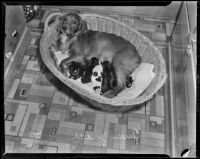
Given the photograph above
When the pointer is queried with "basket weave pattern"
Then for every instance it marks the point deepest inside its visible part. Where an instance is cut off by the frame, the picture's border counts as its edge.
(147, 50)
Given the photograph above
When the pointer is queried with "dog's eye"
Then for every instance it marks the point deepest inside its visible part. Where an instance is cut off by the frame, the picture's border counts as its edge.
(95, 73)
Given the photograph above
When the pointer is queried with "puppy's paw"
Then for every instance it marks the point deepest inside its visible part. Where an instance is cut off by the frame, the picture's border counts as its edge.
(85, 79)
(66, 74)
(53, 48)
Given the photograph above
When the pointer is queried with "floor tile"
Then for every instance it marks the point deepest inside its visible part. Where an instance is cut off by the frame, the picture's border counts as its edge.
(44, 108)
(141, 121)
(51, 123)
(35, 126)
(152, 142)
(90, 127)
(24, 92)
(13, 88)
(77, 145)
(10, 117)
(38, 99)
(72, 125)
(78, 110)
(19, 74)
(54, 116)
(77, 118)
(52, 149)
(147, 108)
(10, 108)
(134, 125)
(41, 125)
(28, 142)
(117, 136)
(60, 98)
(29, 78)
(93, 149)
(152, 150)
(123, 137)
(45, 133)
(88, 117)
(123, 119)
(33, 65)
(92, 139)
(29, 125)
(25, 59)
(158, 128)
(64, 138)
(111, 132)
(159, 105)
(19, 116)
(153, 106)
(99, 124)
(9, 146)
(153, 123)
(53, 131)
(24, 123)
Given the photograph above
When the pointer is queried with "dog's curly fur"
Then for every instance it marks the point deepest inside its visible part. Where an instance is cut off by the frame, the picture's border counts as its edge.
(69, 27)
(120, 53)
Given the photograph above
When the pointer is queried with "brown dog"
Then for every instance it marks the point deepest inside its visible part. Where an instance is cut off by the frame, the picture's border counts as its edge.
(69, 27)
(107, 47)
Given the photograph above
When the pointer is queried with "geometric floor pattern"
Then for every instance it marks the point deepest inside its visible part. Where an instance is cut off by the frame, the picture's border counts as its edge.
(44, 116)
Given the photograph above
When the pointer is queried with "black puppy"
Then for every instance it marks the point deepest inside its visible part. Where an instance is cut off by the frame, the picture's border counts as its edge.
(109, 81)
(76, 70)
(108, 76)
(90, 64)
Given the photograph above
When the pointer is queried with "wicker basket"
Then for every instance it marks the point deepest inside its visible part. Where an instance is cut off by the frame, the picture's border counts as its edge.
(147, 50)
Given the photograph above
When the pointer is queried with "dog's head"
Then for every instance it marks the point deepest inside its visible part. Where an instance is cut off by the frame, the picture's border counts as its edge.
(96, 78)
(72, 24)
(76, 70)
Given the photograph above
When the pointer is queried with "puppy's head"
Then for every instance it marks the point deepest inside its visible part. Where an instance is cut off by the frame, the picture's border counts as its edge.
(71, 23)
(75, 70)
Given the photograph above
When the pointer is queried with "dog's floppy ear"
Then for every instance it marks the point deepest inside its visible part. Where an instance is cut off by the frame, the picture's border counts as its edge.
(59, 27)
(82, 26)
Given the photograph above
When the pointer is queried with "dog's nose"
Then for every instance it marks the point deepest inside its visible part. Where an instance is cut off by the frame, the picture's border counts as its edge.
(98, 79)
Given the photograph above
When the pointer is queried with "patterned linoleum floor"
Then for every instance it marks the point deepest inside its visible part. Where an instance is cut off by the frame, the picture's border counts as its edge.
(44, 116)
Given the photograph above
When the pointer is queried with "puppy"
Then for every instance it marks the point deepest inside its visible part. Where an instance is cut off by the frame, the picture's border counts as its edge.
(107, 47)
(96, 79)
(109, 81)
(76, 70)
(90, 64)
(69, 27)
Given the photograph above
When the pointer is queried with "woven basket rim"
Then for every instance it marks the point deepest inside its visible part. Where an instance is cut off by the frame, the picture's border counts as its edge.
(85, 93)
